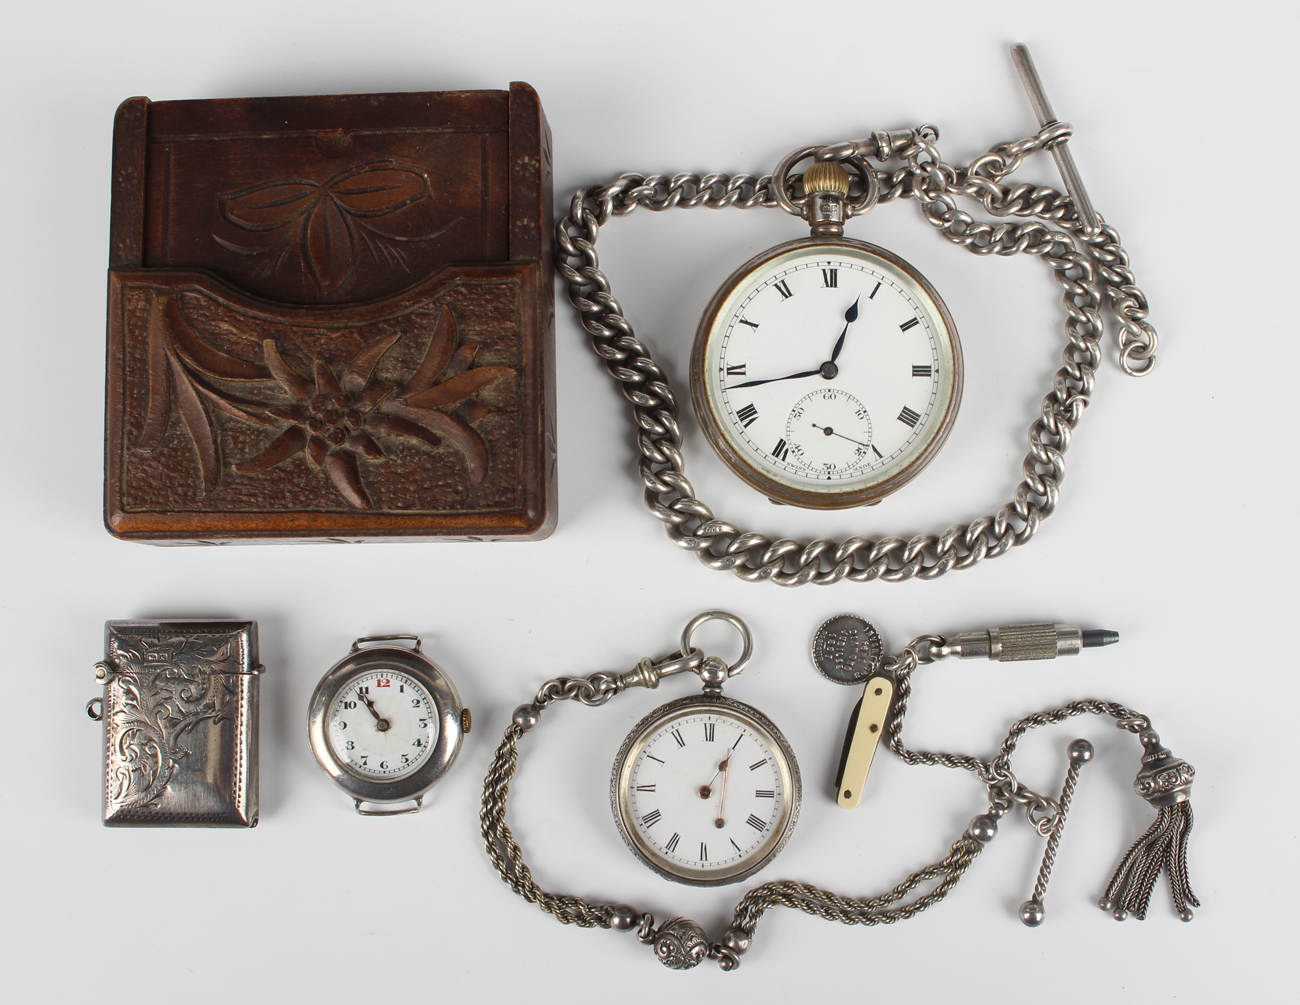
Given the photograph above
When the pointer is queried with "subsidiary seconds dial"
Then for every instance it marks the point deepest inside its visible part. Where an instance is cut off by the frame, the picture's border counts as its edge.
(828, 434)
(827, 373)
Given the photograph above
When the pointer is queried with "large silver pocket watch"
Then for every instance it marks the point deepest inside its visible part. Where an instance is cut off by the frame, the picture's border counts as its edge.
(386, 724)
(826, 372)
(705, 789)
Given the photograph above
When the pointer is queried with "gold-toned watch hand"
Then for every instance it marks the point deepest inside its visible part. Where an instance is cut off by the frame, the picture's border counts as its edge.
(706, 790)
(381, 724)
(720, 822)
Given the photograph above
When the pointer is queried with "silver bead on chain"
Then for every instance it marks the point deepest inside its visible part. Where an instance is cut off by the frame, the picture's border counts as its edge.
(1090, 267)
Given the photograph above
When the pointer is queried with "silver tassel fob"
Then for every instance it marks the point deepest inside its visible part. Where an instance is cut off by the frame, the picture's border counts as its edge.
(1165, 781)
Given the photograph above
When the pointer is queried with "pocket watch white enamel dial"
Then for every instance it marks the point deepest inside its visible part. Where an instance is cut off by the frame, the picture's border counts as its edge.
(705, 789)
(386, 724)
(826, 372)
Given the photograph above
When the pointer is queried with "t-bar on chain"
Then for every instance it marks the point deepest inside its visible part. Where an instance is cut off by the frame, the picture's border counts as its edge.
(1087, 262)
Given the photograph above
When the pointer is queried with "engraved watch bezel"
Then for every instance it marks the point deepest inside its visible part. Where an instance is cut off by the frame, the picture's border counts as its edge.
(712, 423)
(637, 738)
(446, 700)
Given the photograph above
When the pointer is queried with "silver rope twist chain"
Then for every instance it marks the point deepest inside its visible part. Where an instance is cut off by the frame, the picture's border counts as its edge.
(1004, 794)
(1091, 267)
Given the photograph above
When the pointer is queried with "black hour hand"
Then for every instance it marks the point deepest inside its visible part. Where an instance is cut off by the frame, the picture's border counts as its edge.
(850, 316)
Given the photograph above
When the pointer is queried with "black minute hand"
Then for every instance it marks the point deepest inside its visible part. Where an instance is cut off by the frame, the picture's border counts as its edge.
(769, 380)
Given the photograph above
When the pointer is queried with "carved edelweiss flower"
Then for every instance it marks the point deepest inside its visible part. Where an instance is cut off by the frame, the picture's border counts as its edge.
(337, 419)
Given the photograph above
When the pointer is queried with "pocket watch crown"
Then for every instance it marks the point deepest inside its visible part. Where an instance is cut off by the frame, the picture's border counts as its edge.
(826, 177)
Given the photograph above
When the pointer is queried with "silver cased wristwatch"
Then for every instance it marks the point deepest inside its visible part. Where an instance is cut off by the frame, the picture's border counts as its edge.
(410, 665)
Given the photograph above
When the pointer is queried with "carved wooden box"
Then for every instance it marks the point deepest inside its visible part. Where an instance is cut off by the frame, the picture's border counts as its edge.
(331, 318)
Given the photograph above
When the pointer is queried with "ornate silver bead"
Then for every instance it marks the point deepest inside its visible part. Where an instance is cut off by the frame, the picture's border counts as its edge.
(983, 828)
(1032, 913)
(680, 944)
(623, 918)
(1164, 780)
(527, 716)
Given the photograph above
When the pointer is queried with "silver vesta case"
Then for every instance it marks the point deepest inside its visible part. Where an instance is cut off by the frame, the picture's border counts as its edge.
(180, 711)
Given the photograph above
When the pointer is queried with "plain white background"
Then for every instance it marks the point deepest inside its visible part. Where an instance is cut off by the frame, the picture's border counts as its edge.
(1176, 524)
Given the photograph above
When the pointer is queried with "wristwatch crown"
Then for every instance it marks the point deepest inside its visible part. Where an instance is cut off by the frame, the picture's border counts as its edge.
(826, 177)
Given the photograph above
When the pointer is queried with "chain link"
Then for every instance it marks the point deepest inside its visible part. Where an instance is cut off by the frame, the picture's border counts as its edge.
(1089, 269)
(594, 690)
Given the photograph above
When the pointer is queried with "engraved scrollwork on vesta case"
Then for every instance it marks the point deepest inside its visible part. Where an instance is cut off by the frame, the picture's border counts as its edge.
(165, 688)
(337, 418)
(329, 223)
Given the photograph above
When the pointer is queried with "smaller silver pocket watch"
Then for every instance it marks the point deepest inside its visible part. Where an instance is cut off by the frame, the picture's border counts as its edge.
(386, 724)
(705, 789)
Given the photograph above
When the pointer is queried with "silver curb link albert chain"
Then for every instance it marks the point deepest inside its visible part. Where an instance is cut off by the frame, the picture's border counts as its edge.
(1004, 794)
(1088, 262)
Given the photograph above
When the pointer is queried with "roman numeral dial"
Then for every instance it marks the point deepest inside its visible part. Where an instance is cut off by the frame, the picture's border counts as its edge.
(706, 793)
(827, 375)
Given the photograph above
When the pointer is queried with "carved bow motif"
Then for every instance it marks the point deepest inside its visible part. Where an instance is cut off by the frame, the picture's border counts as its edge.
(329, 222)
